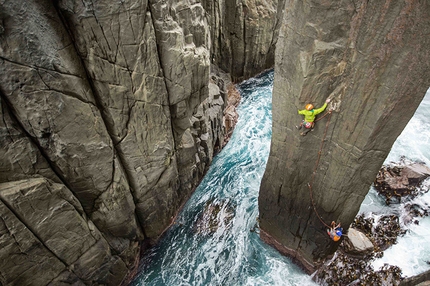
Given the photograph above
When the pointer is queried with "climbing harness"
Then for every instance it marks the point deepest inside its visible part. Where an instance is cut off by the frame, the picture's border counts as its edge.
(334, 234)
(316, 166)
(308, 125)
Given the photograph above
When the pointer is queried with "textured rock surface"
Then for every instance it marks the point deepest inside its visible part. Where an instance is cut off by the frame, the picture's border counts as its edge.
(44, 229)
(114, 103)
(357, 242)
(244, 34)
(130, 91)
(372, 60)
(420, 280)
(403, 179)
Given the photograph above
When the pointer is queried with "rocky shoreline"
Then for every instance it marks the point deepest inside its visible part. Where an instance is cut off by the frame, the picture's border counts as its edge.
(371, 234)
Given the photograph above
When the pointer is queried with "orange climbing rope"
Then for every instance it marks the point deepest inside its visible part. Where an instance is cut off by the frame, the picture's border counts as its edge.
(318, 119)
(316, 166)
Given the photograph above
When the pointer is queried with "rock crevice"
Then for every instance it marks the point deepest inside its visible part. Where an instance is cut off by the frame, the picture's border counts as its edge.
(117, 104)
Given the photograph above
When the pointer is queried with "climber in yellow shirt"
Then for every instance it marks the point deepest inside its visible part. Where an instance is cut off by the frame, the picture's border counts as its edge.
(310, 113)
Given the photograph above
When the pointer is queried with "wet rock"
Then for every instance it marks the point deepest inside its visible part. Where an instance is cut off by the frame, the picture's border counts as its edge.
(382, 231)
(403, 179)
(357, 243)
(215, 215)
(346, 270)
(413, 212)
(422, 279)
(347, 51)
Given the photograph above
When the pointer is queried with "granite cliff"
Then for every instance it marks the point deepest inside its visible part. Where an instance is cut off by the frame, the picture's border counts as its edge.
(372, 60)
(111, 113)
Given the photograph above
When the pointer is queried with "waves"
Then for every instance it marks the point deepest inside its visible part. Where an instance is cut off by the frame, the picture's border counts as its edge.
(229, 251)
(412, 251)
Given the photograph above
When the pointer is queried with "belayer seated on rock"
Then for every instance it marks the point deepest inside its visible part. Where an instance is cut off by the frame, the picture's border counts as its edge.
(335, 231)
(310, 113)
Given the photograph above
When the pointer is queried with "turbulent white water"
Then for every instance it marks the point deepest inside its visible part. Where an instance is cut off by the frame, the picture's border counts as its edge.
(412, 252)
(233, 254)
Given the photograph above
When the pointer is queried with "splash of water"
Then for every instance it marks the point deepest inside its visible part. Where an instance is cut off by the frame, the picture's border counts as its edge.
(229, 251)
(412, 251)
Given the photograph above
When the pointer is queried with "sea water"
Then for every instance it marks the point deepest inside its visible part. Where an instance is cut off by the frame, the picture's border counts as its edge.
(233, 253)
(412, 251)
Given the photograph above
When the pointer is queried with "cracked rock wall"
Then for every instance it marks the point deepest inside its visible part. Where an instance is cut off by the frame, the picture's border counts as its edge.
(244, 34)
(109, 120)
(372, 60)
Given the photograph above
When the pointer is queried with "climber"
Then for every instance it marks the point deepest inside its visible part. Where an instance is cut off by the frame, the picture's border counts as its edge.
(335, 231)
(310, 113)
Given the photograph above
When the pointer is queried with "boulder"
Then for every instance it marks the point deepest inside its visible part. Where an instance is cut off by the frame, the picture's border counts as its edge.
(383, 230)
(357, 243)
(400, 180)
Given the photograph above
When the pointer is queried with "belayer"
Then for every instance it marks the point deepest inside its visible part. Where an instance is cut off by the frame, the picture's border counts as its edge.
(335, 231)
(310, 113)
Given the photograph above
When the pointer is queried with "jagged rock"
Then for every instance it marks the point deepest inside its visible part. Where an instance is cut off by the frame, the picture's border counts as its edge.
(357, 243)
(115, 102)
(400, 180)
(244, 34)
(347, 270)
(348, 51)
(413, 211)
(215, 214)
(422, 279)
(44, 228)
(383, 231)
(231, 97)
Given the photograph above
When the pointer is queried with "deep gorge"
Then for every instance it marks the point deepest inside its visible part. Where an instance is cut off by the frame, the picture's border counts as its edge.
(112, 113)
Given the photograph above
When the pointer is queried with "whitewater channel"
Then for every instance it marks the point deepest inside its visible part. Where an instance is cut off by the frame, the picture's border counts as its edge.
(232, 253)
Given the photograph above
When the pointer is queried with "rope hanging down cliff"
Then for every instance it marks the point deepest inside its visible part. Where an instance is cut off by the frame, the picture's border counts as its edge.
(316, 165)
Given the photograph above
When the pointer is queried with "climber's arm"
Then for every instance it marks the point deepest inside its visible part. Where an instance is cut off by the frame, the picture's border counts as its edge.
(321, 109)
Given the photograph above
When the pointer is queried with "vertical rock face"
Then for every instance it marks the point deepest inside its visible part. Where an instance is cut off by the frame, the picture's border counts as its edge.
(117, 45)
(109, 121)
(110, 117)
(372, 60)
(183, 37)
(244, 34)
(50, 111)
(58, 241)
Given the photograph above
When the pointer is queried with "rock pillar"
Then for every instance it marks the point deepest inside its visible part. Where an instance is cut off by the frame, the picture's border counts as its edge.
(372, 60)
